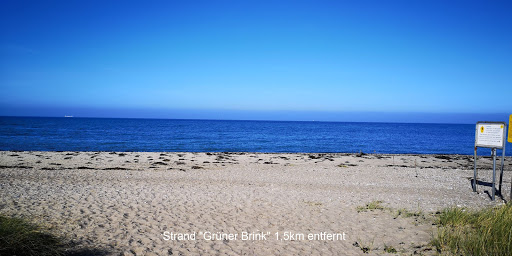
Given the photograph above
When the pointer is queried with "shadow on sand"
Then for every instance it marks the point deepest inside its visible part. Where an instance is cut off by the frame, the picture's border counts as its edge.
(488, 192)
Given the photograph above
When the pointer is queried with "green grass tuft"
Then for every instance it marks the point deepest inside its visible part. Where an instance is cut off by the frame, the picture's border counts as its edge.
(373, 205)
(20, 237)
(365, 248)
(483, 232)
(406, 213)
(389, 249)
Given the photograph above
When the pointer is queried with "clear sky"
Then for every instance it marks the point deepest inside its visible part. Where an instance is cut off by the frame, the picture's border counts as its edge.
(284, 60)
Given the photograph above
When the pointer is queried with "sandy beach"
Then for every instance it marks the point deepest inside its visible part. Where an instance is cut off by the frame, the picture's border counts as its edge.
(141, 203)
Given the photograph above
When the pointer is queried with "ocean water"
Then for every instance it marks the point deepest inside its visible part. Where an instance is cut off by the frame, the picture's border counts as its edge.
(112, 134)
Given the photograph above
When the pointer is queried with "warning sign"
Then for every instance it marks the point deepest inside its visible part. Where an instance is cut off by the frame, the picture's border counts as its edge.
(490, 135)
(510, 129)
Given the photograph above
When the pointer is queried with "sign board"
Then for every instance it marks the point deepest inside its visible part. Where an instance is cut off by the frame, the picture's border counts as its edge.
(510, 129)
(490, 134)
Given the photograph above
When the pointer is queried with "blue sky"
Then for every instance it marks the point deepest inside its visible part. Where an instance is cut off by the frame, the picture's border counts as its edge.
(431, 61)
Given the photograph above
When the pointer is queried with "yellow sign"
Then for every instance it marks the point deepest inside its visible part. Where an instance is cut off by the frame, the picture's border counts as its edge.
(482, 129)
(510, 129)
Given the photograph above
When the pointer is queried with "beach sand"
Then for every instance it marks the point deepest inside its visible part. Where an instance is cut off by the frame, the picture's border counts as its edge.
(130, 203)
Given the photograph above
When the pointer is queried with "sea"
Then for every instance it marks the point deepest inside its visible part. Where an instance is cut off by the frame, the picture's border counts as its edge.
(172, 135)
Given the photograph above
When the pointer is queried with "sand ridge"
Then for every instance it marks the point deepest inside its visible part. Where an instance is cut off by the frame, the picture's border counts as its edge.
(124, 202)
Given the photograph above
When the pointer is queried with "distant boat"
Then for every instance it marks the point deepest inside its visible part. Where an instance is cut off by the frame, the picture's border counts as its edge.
(68, 116)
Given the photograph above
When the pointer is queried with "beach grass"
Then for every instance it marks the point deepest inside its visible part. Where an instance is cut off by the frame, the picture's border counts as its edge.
(21, 237)
(373, 205)
(483, 232)
(407, 213)
(390, 249)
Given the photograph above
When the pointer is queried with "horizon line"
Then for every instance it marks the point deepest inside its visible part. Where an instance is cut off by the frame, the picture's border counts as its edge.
(256, 120)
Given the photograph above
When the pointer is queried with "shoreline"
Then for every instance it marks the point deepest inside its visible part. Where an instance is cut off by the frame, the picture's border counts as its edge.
(123, 202)
(251, 152)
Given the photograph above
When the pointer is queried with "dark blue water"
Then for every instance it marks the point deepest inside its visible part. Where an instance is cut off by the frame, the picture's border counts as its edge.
(104, 134)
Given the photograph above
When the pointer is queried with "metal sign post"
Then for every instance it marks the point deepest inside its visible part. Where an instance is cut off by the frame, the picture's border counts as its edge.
(490, 135)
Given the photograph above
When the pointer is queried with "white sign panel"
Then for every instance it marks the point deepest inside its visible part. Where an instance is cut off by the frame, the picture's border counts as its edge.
(490, 135)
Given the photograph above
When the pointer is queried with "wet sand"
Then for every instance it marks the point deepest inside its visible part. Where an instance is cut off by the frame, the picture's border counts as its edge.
(140, 203)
